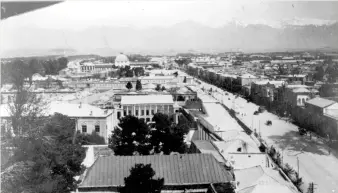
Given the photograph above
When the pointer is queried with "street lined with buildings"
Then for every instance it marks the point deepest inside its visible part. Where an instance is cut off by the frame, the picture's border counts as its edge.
(311, 156)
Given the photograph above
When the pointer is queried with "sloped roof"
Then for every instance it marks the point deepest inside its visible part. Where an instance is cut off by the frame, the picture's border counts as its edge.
(258, 180)
(247, 177)
(77, 110)
(266, 188)
(147, 99)
(180, 169)
(205, 146)
(320, 102)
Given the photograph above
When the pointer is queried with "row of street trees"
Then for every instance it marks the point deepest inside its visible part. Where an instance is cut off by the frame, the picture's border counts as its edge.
(138, 86)
(10, 71)
(134, 137)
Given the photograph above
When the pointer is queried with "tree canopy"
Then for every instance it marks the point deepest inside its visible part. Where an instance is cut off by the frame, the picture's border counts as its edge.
(183, 61)
(131, 137)
(134, 136)
(185, 80)
(129, 86)
(19, 69)
(45, 159)
(167, 137)
(138, 71)
(138, 85)
(141, 180)
(158, 87)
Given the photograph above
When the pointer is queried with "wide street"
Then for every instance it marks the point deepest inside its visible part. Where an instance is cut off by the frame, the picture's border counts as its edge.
(315, 162)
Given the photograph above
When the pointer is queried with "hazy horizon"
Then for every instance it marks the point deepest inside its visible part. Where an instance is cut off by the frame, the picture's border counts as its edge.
(161, 26)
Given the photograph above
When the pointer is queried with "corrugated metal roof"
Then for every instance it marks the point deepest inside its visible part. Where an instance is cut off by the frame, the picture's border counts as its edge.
(183, 169)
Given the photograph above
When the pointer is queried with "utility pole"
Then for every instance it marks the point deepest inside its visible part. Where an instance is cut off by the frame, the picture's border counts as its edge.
(311, 188)
(259, 128)
(298, 165)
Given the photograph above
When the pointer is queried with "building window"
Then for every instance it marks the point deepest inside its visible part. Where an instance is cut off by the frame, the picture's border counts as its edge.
(153, 112)
(142, 112)
(148, 119)
(118, 115)
(147, 112)
(129, 112)
(97, 128)
(84, 128)
(124, 113)
(136, 112)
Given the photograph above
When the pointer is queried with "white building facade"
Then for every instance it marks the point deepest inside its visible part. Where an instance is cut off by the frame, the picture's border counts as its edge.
(145, 106)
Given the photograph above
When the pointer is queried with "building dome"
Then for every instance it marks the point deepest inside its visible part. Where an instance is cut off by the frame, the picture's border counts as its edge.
(121, 60)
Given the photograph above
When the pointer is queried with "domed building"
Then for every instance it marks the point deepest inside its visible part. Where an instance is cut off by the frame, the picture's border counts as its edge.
(121, 60)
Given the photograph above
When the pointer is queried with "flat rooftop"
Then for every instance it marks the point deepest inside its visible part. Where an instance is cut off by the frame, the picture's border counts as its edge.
(147, 99)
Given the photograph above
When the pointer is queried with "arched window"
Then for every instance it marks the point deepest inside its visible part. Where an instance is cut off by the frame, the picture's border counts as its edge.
(299, 101)
(303, 101)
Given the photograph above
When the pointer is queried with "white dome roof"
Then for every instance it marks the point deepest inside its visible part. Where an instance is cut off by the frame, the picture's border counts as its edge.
(121, 58)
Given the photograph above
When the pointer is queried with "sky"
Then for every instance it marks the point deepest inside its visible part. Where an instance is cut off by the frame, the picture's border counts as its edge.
(77, 14)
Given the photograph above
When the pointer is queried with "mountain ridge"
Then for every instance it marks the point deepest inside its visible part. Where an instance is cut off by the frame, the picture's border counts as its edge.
(179, 37)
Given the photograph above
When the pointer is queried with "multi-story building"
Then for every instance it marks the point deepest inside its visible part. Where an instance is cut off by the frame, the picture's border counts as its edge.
(297, 95)
(88, 118)
(265, 89)
(145, 106)
(246, 79)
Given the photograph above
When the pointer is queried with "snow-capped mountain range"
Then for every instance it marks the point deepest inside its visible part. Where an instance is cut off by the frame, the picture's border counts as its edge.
(257, 36)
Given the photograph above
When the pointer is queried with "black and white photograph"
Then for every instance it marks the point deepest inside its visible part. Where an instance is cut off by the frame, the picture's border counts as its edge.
(169, 96)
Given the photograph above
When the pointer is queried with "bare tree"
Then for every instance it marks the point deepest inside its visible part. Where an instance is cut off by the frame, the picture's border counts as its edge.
(26, 106)
(25, 110)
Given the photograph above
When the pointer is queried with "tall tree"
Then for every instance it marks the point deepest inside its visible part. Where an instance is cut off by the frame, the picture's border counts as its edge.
(319, 73)
(141, 180)
(129, 86)
(18, 71)
(138, 71)
(62, 63)
(138, 85)
(131, 137)
(167, 137)
(158, 87)
(185, 80)
(47, 159)
(27, 105)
